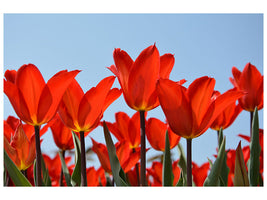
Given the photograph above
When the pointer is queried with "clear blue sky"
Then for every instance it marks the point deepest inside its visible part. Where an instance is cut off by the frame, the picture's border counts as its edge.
(203, 44)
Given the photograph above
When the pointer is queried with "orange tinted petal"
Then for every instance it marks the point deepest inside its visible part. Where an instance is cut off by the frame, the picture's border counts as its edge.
(10, 75)
(30, 83)
(112, 95)
(11, 152)
(91, 105)
(175, 106)
(236, 74)
(55, 89)
(122, 123)
(32, 153)
(166, 65)
(143, 77)
(200, 92)
(134, 130)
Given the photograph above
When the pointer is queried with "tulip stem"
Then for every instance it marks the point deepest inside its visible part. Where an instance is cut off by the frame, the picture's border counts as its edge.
(137, 171)
(38, 156)
(83, 160)
(143, 149)
(61, 173)
(189, 161)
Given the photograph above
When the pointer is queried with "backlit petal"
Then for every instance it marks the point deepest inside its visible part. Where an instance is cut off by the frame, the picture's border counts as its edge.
(166, 65)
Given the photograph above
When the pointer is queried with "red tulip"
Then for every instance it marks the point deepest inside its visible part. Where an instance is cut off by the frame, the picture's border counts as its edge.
(95, 177)
(227, 116)
(190, 112)
(82, 112)
(250, 81)
(11, 124)
(21, 149)
(62, 135)
(200, 173)
(126, 156)
(34, 101)
(138, 78)
(126, 128)
(156, 130)
(156, 172)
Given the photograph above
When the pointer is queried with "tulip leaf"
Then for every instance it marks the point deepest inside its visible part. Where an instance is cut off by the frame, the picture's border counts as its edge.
(46, 181)
(225, 169)
(255, 148)
(14, 173)
(117, 172)
(65, 170)
(76, 174)
(213, 178)
(241, 176)
(182, 164)
(167, 174)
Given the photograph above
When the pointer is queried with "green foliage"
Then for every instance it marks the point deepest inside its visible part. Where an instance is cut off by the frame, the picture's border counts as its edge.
(241, 176)
(254, 164)
(213, 178)
(167, 174)
(76, 174)
(14, 173)
(225, 169)
(182, 165)
(117, 172)
(65, 170)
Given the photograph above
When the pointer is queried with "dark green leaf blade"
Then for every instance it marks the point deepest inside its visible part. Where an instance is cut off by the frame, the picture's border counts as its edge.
(117, 171)
(225, 169)
(182, 163)
(254, 164)
(167, 174)
(65, 170)
(14, 173)
(46, 181)
(213, 178)
(241, 176)
(76, 174)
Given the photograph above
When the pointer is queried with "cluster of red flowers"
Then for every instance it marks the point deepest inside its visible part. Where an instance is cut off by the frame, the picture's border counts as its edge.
(61, 105)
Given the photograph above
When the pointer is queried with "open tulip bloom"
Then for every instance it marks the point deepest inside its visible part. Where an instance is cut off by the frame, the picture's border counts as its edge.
(190, 111)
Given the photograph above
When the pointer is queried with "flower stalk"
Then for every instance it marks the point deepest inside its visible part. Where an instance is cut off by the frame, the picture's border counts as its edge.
(143, 149)
(38, 156)
(61, 173)
(189, 161)
(83, 160)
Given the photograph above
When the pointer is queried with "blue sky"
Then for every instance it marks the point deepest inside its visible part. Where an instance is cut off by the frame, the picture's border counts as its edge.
(203, 45)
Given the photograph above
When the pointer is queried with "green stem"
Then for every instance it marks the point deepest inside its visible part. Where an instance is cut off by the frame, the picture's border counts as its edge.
(143, 149)
(189, 161)
(83, 160)
(61, 173)
(38, 156)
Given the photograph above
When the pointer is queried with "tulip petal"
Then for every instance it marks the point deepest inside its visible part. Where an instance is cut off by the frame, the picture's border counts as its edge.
(30, 83)
(10, 75)
(175, 106)
(11, 152)
(143, 77)
(122, 123)
(134, 135)
(56, 87)
(166, 65)
(112, 95)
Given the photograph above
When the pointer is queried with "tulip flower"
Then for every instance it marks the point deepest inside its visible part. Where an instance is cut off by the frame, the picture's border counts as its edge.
(200, 173)
(34, 101)
(138, 82)
(156, 172)
(190, 112)
(95, 177)
(156, 130)
(250, 81)
(21, 149)
(83, 112)
(126, 156)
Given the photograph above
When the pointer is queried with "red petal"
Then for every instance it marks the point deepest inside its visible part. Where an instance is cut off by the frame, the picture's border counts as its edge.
(143, 77)
(11, 152)
(175, 106)
(10, 75)
(112, 95)
(166, 65)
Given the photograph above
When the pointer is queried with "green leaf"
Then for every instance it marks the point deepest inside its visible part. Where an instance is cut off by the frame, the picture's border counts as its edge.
(182, 163)
(241, 176)
(14, 173)
(213, 178)
(65, 170)
(46, 181)
(180, 181)
(255, 148)
(225, 169)
(117, 172)
(76, 174)
(167, 174)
